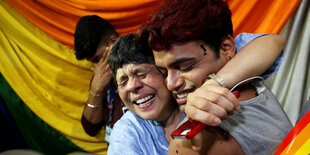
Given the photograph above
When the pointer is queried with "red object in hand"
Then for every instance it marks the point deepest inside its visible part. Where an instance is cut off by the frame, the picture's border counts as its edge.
(191, 128)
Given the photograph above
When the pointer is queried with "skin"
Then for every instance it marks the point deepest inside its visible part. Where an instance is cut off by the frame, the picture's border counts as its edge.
(102, 72)
(219, 143)
(259, 56)
(143, 91)
(217, 140)
(185, 72)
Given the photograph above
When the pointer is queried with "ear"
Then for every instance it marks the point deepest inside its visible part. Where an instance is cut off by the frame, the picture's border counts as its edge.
(113, 38)
(227, 48)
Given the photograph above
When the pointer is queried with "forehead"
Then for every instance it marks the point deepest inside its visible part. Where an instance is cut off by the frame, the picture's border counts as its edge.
(133, 68)
(178, 53)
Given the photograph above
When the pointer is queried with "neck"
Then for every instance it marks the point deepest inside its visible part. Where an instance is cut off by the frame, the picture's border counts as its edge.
(171, 123)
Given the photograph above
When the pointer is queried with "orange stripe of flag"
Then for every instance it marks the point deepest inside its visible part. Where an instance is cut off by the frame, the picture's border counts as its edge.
(304, 149)
(298, 141)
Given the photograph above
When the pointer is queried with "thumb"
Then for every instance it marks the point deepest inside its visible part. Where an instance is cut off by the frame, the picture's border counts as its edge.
(197, 141)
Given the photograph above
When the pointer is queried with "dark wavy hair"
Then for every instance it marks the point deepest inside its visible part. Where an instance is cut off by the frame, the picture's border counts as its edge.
(181, 21)
(127, 50)
(90, 32)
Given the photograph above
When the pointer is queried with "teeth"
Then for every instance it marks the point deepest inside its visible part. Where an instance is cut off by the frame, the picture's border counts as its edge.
(142, 100)
(182, 95)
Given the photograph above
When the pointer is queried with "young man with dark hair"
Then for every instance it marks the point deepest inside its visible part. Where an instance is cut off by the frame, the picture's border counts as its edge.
(193, 42)
(93, 38)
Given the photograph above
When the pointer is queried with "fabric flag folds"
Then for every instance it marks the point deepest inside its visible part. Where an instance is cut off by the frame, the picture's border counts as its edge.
(37, 58)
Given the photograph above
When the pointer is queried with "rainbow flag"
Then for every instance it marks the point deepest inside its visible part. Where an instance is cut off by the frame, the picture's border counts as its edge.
(297, 141)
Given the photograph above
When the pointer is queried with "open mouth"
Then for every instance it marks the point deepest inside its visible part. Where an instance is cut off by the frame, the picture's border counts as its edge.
(182, 95)
(144, 100)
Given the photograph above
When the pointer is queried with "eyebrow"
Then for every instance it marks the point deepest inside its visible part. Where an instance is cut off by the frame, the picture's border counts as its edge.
(134, 71)
(180, 61)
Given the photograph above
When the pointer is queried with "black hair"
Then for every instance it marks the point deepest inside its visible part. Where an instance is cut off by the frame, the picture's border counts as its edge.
(90, 32)
(127, 50)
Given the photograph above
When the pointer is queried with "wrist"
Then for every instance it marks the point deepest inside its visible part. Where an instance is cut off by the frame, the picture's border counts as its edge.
(95, 94)
(97, 91)
(94, 106)
(211, 82)
(213, 79)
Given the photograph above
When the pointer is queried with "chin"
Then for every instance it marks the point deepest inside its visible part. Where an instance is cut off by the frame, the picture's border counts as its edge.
(148, 116)
(182, 107)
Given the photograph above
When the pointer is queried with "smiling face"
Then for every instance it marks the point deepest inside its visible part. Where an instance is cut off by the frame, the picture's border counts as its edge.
(142, 89)
(186, 67)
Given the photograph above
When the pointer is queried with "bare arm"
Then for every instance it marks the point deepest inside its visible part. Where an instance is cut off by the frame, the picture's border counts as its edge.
(92, 119)
(253, 59)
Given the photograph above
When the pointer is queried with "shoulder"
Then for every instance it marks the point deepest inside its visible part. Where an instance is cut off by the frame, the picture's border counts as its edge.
(244, 38)
(125, 135)
(128, 120)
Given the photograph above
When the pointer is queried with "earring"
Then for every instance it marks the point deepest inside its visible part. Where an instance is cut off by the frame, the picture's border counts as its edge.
(228, 58)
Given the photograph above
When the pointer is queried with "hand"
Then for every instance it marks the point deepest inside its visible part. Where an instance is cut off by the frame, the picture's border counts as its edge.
(211, 103)
(102, 74)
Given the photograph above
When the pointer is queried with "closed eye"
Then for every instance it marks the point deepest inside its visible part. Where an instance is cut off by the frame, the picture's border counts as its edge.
(186, 68)
(122, 82)
(141, 74)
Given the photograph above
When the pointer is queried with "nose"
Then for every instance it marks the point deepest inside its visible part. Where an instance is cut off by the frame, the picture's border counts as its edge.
(134, 84)
(174, 81)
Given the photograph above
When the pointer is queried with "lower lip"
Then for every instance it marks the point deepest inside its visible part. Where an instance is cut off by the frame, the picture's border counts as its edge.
(181, 101)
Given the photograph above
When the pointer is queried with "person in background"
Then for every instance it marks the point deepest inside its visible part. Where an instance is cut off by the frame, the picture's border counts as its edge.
(193, 48)
(93, 38)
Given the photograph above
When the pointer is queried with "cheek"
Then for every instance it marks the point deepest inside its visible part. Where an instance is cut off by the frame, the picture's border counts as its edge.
(158, 83)
(196, 77)
(122, 94)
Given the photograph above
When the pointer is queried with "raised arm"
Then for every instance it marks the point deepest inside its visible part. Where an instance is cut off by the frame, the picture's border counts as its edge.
(253, 59)
(93, 114)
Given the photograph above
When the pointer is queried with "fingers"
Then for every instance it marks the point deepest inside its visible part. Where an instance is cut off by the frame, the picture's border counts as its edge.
(215, 86)
(222, 97)
(102, 67)
(214, 102)
(210, 105)
(205, 117)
